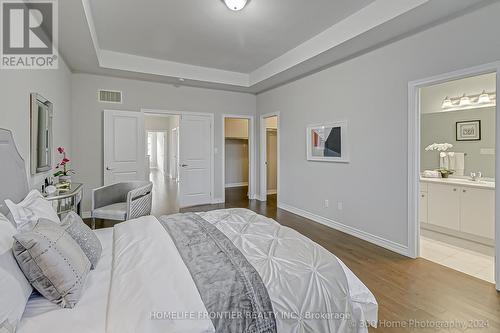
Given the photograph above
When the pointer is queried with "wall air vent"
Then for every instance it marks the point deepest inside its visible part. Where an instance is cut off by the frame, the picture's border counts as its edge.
(109, 96)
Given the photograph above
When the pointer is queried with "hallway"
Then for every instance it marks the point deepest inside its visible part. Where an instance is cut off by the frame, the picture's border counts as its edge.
(165, 194)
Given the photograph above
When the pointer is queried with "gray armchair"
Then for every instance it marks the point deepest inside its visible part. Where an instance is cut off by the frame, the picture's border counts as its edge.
(122, 201)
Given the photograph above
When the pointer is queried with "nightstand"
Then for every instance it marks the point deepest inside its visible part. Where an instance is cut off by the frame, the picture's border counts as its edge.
(68, 199)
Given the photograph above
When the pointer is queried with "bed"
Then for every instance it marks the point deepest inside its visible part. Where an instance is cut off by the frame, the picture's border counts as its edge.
(228, 270)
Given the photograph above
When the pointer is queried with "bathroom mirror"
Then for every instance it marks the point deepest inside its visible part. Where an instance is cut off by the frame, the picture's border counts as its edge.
(41, 114)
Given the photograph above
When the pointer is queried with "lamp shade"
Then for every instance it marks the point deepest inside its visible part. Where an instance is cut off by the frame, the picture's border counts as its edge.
(484, 98)
(235, 5)
(447, 103)
(464, 101)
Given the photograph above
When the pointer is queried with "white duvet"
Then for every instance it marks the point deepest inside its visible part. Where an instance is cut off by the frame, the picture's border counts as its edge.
(141, 282)
(304, 280)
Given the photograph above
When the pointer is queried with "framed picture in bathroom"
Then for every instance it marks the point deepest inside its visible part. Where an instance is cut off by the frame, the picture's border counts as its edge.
(328, 142)
(468, 130)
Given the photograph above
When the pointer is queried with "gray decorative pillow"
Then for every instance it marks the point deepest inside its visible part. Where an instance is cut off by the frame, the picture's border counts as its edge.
(53, 262)
(84, 236)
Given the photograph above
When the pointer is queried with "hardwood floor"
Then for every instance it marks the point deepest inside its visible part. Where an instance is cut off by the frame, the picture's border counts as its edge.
(409, 292)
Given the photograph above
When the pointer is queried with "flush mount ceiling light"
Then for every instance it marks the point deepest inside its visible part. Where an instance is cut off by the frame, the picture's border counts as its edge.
(464, 101)
(235, 5)
(447, 103)
(484, 98)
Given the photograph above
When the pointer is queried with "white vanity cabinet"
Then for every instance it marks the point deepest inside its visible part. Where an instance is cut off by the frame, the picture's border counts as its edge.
(477, 212)
(423, 209)
(463, 210)
(444, 206)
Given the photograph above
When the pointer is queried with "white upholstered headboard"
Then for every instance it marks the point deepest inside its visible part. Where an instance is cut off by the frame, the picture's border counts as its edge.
(13, 178)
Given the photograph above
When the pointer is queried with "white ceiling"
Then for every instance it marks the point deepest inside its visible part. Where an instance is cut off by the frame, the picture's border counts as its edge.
(206, 33)
(268, 43)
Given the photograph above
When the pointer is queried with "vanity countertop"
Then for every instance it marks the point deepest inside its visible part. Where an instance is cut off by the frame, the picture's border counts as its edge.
(461, 182)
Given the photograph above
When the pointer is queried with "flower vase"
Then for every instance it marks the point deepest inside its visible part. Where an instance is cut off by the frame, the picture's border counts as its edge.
(65, 179)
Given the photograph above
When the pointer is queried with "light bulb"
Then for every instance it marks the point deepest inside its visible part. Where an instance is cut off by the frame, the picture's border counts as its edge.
(447, 103)
(484, 98)
(235, 5)
(464, 101)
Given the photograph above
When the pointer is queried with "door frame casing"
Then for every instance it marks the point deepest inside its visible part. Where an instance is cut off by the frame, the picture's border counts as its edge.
(251, 154)
(175, 132)
(263, 156)
(212, 136)
(414, 154)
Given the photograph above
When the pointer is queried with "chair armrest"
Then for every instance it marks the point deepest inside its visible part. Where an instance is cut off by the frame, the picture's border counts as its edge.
(108, 195)
(139, 201)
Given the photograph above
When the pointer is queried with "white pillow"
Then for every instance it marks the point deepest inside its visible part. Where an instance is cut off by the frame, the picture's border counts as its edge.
(34, 207)
(14, 288)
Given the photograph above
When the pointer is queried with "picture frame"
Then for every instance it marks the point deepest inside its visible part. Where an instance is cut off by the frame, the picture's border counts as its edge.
(468, 130)
(328, 142)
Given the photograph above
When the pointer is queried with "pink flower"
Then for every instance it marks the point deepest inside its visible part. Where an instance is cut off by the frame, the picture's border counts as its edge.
(60, 150)
(62, 163)
(65, 160)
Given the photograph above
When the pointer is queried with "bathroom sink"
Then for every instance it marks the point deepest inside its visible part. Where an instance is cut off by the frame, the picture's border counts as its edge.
(462, 181)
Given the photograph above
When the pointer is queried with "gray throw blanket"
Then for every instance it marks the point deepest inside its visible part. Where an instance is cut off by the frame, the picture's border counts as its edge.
(230, 287)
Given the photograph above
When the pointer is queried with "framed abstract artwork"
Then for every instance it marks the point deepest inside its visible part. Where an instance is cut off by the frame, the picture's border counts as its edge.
(469, 130)
(328, 142)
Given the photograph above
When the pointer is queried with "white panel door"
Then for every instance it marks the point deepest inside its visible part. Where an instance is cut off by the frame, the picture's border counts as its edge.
(443, 206)
(477, 212)
(124, 146)
(195, 169)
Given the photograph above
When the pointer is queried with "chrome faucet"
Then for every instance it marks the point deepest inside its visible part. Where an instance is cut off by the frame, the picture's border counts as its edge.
(476, 176)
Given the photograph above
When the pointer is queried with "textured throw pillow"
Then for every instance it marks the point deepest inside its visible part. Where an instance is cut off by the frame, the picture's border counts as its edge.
(34, 207)
(14, 288)
(84, 236)
(53, 262)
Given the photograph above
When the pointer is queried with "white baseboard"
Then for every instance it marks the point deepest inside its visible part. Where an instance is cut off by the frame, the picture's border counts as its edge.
(377, 240)
(217, 201)
(236, 185)
(272, 191)
(86, 215)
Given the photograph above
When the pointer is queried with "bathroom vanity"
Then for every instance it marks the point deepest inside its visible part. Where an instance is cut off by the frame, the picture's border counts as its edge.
(459, 207)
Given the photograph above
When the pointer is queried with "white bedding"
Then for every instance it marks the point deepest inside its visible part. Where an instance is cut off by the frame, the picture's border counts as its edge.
(141, 276)
(302, 278)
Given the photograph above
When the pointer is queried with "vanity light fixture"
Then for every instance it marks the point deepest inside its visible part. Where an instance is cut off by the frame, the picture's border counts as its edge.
(484, 98)
(464, 100)
(235, 5)
(447, 103)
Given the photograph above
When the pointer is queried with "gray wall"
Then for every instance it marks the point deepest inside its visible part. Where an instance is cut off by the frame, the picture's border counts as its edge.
(15, 89)
(87, 117)
(370, 92)
(440, 127)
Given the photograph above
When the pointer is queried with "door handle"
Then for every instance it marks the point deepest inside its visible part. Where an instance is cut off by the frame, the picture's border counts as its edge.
(109, 169)
(184, 165)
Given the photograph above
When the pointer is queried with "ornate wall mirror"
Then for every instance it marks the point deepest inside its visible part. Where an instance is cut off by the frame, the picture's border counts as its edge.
(41, 114)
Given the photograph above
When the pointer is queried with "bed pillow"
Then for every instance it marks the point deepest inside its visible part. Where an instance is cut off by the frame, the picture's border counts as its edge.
(53, 262)
(34, 207)
(14, 288)
(84, 236)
